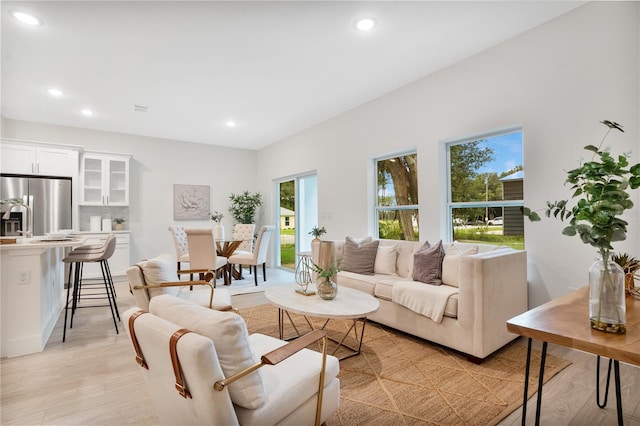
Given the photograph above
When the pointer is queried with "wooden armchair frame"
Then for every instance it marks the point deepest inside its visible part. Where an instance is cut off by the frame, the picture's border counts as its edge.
(208, 277)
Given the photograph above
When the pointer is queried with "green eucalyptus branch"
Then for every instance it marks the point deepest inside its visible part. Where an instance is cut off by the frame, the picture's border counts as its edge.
(601, 189)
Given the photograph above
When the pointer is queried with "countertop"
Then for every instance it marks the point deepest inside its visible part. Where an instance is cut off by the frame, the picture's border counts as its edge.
(39, 243)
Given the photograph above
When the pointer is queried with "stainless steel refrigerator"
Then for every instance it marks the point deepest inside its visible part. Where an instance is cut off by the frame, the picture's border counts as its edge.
(49, 199)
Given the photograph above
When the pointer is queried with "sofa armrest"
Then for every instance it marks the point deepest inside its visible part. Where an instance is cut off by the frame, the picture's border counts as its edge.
(493, 289)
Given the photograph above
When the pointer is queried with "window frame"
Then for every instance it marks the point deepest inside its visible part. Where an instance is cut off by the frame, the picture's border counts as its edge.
(377, 208)
(448, 205)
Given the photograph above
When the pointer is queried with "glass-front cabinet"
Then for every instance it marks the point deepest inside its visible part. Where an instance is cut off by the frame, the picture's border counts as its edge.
(105, 180)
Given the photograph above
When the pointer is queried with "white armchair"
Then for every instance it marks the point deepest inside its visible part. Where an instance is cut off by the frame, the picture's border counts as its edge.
(202, 368)
(155, 277)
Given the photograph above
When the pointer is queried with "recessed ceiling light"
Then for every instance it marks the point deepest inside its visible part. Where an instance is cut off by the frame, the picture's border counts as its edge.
(86, 112)
(365, 24)
(55, 92)
(25, 18)
(230, 123)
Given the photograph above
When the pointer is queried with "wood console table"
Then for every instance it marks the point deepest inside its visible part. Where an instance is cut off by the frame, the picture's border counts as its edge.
(565, 322)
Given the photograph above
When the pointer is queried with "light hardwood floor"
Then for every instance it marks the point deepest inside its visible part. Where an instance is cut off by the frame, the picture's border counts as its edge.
(92, 379)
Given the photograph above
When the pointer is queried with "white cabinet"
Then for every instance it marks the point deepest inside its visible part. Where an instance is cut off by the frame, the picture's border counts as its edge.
(38, 160)
(118, 262)
(104, 180)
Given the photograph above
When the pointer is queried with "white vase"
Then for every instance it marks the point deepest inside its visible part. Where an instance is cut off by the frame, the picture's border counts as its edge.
(218, 233)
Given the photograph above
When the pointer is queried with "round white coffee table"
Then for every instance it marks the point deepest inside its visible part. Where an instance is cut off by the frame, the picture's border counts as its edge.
(348, 304)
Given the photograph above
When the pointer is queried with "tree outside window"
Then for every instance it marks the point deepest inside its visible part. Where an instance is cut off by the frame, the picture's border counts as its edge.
(485, 184)
(397, 197)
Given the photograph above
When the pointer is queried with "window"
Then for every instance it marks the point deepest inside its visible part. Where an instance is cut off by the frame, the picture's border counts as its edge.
(485, 189)
(397, 197)
(286, 221)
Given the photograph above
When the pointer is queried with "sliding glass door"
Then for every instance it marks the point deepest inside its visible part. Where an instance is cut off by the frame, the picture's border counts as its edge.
(298, 213)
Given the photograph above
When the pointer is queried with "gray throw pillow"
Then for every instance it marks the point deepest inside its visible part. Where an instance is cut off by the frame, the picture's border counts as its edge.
(360, 258)
(427, 264)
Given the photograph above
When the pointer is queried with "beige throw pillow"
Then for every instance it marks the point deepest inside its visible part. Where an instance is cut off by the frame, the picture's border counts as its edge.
(427, 264)
(230, 338)
(385, 260)
(157, 271)
(451, 264)
(359, 258)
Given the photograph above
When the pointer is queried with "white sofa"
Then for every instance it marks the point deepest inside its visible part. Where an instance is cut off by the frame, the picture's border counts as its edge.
(492, 288)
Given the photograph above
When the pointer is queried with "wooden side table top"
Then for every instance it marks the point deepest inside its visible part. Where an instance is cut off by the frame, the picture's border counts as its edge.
(565, 321)
(349, 303)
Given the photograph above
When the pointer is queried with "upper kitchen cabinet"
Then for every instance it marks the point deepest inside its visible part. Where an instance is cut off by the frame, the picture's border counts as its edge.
(104, 180)
(25, 159)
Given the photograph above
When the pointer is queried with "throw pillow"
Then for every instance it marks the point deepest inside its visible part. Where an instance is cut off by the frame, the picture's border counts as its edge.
(451, 264)
(230, 338)
(359, 258)
(385, 260)
(160, 270)
(427, 264)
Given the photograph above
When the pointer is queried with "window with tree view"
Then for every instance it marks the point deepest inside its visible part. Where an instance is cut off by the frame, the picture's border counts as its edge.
(485, 185)
(397, 197)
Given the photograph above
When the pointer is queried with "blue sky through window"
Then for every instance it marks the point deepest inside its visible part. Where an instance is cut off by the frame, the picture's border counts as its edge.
(507, 152)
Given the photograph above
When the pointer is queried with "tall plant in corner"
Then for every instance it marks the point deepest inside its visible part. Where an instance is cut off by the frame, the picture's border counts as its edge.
(601, 190)
(244, 206)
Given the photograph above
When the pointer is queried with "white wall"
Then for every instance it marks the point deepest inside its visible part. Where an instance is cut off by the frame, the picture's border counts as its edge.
(557, 81)
(156, 165)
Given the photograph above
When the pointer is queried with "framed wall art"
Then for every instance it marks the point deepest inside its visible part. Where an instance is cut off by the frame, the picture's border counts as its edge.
(191, 202)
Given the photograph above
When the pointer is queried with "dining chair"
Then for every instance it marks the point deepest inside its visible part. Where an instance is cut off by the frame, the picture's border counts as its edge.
(259, 255)
(180, 244)
(244, 232)
(203, 256)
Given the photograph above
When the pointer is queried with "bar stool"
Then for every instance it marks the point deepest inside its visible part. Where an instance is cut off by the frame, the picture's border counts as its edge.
(78, 258)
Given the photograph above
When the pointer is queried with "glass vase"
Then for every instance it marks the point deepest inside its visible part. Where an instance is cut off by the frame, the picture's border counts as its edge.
(327, 288)
(607, 306)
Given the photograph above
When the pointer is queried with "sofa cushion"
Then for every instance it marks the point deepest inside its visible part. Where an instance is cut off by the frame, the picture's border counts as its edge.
(452, 261)
(360, 257)
(160, 270)
(385, 260)
(230, 338)
(427, 264)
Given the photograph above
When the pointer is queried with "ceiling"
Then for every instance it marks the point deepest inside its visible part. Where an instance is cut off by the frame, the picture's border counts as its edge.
(275, 68)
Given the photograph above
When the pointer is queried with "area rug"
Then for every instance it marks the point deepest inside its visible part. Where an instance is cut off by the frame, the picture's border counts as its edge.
(401, 379)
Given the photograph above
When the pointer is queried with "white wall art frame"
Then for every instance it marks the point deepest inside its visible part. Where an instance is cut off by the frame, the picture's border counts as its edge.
(191, 202)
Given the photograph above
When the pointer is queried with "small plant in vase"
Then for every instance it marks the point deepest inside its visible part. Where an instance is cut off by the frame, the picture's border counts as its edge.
(601, 187)
(119, 223)
(317, 232)
(218, 230)
(327, 287)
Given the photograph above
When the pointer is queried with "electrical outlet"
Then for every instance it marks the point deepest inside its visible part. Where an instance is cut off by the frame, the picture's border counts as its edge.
(24, 277)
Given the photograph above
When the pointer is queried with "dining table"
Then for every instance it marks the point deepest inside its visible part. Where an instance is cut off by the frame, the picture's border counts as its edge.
(226, 248)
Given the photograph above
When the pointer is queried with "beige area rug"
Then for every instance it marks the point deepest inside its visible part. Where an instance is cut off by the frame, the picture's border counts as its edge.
(401, 379)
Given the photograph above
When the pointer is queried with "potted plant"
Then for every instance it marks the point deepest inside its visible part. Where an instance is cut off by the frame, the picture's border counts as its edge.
(327, 287)
(244, 206)
(630, 265)
(119, 223)
(218, 230)
(317, 232)
(601, 187)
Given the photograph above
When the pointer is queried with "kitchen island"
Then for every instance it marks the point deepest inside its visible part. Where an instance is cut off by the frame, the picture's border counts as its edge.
(32, 292)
